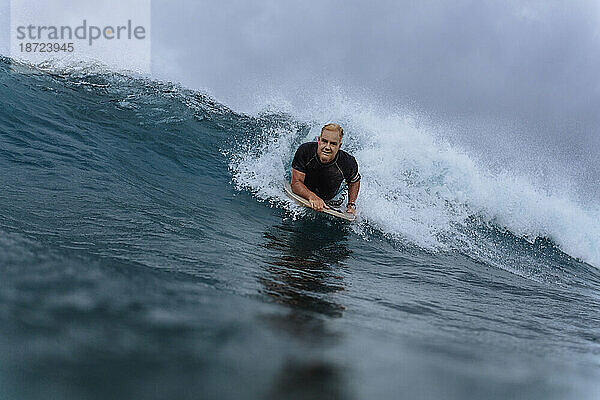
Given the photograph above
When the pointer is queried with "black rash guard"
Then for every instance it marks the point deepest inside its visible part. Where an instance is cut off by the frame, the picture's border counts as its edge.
(324, 180)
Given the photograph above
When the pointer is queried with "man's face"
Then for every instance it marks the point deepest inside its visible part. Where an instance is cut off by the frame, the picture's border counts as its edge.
(328, 145)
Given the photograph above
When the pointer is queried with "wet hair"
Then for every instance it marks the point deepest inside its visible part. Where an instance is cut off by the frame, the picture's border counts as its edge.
(335, 128)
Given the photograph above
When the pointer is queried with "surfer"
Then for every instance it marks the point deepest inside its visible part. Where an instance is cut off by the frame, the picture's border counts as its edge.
(319, 168)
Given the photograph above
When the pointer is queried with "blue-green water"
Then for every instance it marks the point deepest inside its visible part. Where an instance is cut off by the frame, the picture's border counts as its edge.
(147, 251)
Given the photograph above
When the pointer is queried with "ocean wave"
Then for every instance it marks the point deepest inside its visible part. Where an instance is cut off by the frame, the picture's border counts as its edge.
(419, 189)
(132, 131)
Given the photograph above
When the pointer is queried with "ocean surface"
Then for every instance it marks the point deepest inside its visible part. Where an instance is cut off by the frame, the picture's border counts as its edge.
(147, 251)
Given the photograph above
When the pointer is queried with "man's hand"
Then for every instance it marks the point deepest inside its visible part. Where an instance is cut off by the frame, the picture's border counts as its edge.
(317, 203)
(351, 209)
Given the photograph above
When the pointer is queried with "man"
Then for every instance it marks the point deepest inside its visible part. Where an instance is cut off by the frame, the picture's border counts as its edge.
(318, 170)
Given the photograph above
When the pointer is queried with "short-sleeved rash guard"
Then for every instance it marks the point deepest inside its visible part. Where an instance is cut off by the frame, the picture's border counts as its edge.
(325, 179)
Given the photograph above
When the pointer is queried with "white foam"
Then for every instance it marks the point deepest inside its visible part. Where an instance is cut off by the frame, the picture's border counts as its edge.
(261, 167)
(419, 189)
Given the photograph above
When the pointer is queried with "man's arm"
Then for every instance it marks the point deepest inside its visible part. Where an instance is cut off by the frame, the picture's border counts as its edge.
(353, 189)
(300, 189)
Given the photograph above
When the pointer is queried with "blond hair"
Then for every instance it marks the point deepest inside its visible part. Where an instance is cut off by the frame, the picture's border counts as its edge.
(334, 128)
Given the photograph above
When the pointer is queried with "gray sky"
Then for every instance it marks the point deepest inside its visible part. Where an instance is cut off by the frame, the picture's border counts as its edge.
(515, 82)
(519, 58)
(4, 27)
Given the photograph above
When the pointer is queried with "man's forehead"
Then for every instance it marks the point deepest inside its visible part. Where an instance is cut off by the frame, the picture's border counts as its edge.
(330, 135)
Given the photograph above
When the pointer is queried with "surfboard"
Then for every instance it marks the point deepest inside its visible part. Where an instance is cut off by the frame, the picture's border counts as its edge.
(336, 212)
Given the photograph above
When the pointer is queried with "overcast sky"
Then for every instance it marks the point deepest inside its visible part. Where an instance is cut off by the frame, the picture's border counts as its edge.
(501, 75)
(484, 57)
